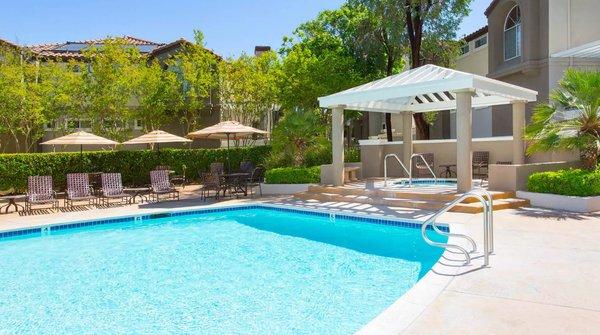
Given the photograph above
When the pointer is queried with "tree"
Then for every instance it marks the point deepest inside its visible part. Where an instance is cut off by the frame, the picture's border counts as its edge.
(21, 93)
(431, 20)
(158, 94)
(248, 88)
(196, 69)
(110, 78)
(578, 91)
(295, 135)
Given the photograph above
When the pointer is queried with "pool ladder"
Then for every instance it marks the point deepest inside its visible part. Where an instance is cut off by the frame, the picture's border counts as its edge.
(486, 200)
(407, 171)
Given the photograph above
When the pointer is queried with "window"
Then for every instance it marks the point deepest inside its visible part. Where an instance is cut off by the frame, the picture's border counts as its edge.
(464, 49)
(512, 34)
(480, 42)
(138, 124)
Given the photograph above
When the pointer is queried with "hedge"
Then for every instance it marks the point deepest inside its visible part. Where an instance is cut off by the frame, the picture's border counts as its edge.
(574, 182)
(293, 175)
(135, 166)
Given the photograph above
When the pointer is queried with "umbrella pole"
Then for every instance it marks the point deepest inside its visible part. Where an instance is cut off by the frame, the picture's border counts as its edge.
(228, 163)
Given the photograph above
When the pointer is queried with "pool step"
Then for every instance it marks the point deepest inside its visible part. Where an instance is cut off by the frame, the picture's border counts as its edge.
(406, 199)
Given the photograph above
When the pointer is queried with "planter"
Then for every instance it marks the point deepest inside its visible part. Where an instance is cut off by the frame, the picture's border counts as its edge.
(562, 202)
(281, 189)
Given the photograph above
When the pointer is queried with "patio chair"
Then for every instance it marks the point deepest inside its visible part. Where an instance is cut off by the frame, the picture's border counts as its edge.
(420, 170)
(256, 179)
(79, 189)
(246, 167)
(217, 168)
(160, 185)
(40, 191)
(112, 188)
(481, 162)
(213, 182)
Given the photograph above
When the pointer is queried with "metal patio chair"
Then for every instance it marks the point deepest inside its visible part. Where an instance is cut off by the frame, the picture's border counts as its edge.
(420, 170)
(213, 182)
(40, 192)
(79, 189)
(161, 185)
(481, 162)
(256, 179)
(112, 188)
(217, 168)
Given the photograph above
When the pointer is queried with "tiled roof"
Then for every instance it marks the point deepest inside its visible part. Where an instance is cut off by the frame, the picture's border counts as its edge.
(174, 45)
(7, 44)
(490, 8)
(61, 50)
(479, 32)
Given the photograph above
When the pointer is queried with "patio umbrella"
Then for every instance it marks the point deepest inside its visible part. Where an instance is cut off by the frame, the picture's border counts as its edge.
(229, 130)
(80, 138)
(157, 137)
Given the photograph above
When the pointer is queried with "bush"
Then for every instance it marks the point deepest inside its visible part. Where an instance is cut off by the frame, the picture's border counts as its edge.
(294, 175)
(135, 166)
(575, 182)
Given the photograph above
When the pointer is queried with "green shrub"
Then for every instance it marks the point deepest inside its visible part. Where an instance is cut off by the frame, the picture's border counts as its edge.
(135, 166)
(575, 182)
(293, 175)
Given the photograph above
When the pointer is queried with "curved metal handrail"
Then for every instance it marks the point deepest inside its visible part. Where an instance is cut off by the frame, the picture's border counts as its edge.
(385, 167)
(486, 227)
(490, 200)
(426, 164)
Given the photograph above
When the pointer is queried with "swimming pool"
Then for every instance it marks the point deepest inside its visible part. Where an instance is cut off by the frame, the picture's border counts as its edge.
(250, 270)
(427, 182)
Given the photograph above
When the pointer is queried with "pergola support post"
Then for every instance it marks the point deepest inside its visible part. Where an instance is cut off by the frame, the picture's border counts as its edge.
(407, 143)
(464, 120)
(337, 145)
(518, 123)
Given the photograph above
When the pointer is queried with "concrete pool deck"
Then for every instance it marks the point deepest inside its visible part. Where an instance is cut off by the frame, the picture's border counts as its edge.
(544, 277)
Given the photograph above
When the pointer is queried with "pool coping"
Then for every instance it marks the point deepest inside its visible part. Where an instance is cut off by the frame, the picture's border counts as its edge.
(394, 319)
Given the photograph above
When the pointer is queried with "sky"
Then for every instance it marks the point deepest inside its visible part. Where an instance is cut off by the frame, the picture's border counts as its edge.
(230, 26)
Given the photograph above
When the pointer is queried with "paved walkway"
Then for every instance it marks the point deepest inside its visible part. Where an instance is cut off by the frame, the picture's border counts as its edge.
(544, 277)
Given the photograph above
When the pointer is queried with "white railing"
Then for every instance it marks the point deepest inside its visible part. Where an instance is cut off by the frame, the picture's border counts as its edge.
(385, 167)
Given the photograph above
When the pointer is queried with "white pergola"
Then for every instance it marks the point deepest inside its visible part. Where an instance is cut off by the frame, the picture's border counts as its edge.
(426, 89)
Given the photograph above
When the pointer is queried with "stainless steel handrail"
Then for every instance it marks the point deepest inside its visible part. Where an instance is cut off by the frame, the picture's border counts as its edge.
(426, 164)
(488, 235)
(490, 200)
(385, 167)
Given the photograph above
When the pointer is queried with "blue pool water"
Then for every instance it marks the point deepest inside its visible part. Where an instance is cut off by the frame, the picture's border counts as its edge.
(427, 182)
(247, 271)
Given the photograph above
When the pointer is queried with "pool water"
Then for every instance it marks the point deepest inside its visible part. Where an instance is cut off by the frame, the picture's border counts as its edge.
(427, 182)
(246, 271)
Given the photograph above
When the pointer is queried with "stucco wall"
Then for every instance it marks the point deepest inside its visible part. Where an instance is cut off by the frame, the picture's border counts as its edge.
(476, 61)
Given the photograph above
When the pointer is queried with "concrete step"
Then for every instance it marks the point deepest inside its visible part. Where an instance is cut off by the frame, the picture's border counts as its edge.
(428, 204)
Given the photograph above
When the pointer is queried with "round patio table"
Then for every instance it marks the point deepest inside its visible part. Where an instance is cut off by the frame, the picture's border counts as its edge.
(12, 201)
(237, 182)
(140, 192)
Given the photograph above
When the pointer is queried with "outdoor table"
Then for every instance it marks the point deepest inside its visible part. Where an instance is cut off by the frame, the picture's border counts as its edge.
(447, 173)
(12, 201)
(238, 182)
(140, 192)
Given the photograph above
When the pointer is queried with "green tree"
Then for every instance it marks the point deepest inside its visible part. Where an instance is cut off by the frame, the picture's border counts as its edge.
(248, 88)
(196, 69)
(110, 79)
(578, 91)
(428, 22)
(159, 95)
(296, 135)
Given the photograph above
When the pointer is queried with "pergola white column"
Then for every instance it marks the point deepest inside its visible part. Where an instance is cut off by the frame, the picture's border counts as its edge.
(407, 143)
(518, 116)
(337, 145)
(464, 120)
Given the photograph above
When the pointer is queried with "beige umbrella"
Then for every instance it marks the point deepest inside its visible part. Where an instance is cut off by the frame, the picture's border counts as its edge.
(229, 130)
(157, 137)
(80, 138)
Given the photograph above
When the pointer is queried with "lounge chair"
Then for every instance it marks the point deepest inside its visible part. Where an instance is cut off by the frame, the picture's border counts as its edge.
(481, 162)
(216, 168)
(79, 189)
(40, 191)
(160, 185)
(246, 167)
(180, 179)
(112, 188)
(256, 179)
(213, 182)
(419, 167)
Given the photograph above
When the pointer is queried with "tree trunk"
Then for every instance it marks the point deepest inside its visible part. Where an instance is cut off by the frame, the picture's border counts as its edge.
(589, 158)
(388, 127)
